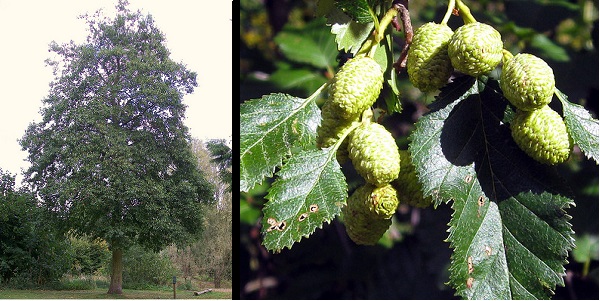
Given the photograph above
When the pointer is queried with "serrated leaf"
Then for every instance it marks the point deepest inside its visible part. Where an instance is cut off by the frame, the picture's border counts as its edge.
(311, 44)
(349, 35)
(358, 10)
(582, 127)
(310, 190)
(269, 128)
(509, 230)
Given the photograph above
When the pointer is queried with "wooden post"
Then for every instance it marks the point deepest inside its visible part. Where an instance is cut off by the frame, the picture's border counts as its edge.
(174, 287)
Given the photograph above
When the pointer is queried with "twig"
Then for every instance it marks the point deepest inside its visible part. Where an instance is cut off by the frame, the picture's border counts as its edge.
(402, 6)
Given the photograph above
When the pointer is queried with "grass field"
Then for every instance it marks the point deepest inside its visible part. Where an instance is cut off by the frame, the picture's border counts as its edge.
(100, 293)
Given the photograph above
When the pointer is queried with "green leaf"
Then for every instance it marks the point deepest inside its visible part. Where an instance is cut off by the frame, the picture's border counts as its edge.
(549, 49)
(587, 248)
(311, 44)
(269, 128)
(349, 35)
(310, 189)
(582, 127)
(509, 230)
(303, 79)
(358, 10)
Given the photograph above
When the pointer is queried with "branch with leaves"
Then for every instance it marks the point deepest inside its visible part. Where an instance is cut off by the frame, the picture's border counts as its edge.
(486, 145)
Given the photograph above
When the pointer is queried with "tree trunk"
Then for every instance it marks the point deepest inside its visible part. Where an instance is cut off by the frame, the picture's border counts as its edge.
(116, 276)
(217, 279)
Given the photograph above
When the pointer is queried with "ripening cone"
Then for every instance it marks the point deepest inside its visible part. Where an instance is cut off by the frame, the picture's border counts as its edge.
(475, 49)
(407, 184)
(355, 87)
(368, 213)
(542, 134)
(428, 63)
(374, 153)
(527, 82)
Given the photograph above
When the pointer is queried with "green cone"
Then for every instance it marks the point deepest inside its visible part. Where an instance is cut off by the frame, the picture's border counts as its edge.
(428, 63)
(355, 87)
(527, 82)
(374, 153)
(407, 184)
(331, 129)
(368, 213)
(475, 49)
(542, 134)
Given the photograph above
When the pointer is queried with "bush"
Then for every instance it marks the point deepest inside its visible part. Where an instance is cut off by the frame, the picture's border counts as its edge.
(76, 284)
(143, 268)
(89, 256)
(31, 253)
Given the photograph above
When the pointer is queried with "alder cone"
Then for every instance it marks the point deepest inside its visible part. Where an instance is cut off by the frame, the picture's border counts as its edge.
(374, 153)
(527, 82)
(475, 49)
(428, 64)
(355, 87)
(368, 213)
(407, 184)
(542, 135)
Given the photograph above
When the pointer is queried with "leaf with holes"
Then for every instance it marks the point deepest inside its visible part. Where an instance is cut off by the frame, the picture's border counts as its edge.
(509, 230)
(310, 189)
(269, 128)
(582, 127)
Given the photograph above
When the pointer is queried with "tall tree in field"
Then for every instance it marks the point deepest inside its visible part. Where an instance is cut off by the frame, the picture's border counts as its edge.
(111, 157)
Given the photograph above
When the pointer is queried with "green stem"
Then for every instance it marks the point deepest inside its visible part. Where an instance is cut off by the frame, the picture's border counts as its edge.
(586, 268)
(465, 12)
(316, 95)
(370, 45)
(385, 21)
(451, 4)
(506, 55)
(343, 137)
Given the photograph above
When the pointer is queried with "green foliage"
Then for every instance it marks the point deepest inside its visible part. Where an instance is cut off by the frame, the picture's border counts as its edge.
(460, 152)
(270, 132)
(142, 268)
(510, 233)
(31, 253)
(221, 157)
(89, 256)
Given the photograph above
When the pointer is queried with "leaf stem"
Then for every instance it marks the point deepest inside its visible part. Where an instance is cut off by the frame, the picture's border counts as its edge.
(465, 12)
(506, 55)
(451, 4)
(317, 93)
(385, 21)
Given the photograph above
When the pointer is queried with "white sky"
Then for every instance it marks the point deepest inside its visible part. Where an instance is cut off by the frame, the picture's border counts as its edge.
(198, 34)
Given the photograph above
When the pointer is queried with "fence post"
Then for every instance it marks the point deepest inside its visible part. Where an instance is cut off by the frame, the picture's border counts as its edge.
(174, 290)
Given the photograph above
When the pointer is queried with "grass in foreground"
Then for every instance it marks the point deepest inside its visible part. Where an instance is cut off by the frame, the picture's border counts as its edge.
(100, 293)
